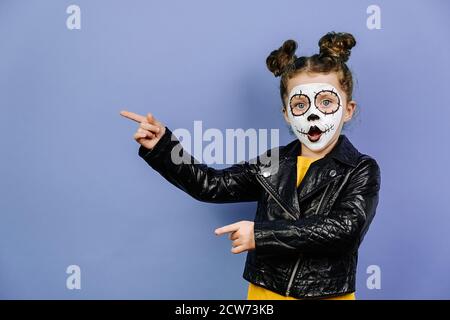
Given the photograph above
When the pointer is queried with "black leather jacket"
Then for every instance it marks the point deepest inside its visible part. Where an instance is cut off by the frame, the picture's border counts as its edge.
(306, 238)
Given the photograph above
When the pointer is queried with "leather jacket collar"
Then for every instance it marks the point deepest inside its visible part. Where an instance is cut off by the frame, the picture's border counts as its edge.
(280, 180)
(343, 151)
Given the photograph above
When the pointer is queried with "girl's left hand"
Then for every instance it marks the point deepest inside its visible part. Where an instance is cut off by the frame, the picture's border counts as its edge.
(242, 234)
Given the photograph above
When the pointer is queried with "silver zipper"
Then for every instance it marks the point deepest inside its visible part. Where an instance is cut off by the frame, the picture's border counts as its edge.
(292, 276)
(291, 279)
(286, 211)
(274, 198)
(294, 270)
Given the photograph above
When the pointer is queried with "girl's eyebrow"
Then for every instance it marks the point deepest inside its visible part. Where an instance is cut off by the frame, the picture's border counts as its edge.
(297, 91)
(299, 96)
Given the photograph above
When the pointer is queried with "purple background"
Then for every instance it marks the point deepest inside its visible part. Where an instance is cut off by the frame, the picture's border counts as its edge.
(74, 191)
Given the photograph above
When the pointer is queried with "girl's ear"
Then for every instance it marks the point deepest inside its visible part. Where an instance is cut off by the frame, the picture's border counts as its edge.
(349, 110)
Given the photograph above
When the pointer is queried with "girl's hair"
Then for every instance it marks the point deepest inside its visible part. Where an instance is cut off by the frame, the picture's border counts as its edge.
(334, 52)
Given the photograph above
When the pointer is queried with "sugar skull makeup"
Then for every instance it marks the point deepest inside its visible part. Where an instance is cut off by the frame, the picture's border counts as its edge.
(315, 112)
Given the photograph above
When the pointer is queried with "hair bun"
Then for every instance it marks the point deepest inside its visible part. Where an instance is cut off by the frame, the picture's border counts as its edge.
(337, 45)
(280, 59)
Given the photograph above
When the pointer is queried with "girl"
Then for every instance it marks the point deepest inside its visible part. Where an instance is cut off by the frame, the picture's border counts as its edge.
(317, 204)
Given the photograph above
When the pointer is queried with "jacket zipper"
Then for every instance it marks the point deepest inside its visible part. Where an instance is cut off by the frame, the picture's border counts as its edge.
(294, 270)
(291, 279)
(291, 215)
(275, 198)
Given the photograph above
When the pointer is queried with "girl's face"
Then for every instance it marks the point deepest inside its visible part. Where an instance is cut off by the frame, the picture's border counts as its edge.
(316, 108)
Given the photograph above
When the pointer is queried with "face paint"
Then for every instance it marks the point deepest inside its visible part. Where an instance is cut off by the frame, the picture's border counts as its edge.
(315, 112)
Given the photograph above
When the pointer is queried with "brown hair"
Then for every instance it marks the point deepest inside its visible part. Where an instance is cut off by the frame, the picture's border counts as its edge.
(334, 52)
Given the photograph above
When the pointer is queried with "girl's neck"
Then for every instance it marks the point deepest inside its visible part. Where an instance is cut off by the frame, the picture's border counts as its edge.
(306, 152)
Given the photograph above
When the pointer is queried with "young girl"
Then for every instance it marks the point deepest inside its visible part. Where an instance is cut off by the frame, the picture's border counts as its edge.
(315, 208)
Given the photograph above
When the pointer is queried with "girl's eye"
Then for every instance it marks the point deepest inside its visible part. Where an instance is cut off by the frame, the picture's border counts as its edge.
(300, 105)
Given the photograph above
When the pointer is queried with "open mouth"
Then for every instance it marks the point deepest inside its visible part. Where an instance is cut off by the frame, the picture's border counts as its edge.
(314, 133)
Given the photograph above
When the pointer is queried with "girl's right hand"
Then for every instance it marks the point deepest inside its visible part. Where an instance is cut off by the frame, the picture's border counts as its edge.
(149, 131)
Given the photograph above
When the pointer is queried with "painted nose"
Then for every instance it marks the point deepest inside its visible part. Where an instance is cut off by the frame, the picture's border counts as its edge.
(312, 117)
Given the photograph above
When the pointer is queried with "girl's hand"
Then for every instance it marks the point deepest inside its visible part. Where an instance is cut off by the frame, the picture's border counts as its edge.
(242, 234)
(149, 131)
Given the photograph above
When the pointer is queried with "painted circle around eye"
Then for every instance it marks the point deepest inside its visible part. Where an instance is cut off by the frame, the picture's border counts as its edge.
(295, 110)
(329, 109)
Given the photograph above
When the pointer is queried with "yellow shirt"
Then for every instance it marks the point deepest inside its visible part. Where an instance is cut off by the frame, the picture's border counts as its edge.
(256, 292)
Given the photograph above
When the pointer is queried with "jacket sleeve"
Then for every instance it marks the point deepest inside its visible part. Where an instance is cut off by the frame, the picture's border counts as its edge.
(233, 184)
(342, 230)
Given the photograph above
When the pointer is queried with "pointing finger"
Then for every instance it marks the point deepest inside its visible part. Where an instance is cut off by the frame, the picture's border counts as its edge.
(133, 116)
(227, 228)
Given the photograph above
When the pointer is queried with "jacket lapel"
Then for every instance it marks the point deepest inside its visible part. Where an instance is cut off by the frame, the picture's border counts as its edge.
(320, 173)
